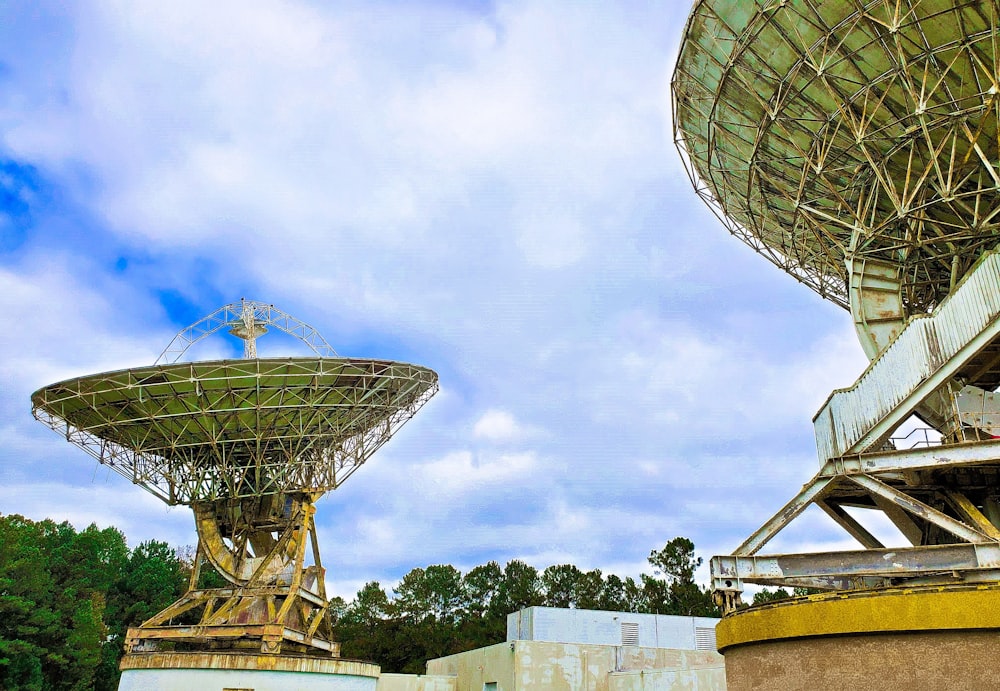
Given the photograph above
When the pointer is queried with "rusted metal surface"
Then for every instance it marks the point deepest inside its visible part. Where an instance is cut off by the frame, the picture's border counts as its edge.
(921, 458)
(868, 568)
(251, 445)
(277, 600)
(248, 660)
(920, 509)
(979, 409)
(876, 301)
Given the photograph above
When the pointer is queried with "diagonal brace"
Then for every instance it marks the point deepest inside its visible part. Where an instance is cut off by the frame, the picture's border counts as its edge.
(920, 509)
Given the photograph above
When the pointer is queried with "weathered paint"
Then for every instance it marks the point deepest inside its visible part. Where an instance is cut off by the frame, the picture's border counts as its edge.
(701, 679)
(867, 612)
(416, 682)
(529, 665)
(915, 638)
(876, 303)
(929, 352)
(472, 669)
(186, 671)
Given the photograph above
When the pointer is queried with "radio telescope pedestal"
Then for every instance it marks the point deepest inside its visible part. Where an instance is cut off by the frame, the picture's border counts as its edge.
(856, 145)
(250, 445)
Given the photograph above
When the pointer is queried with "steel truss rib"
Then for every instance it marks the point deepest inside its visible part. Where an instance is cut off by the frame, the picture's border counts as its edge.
(865, 568)
(815, 130)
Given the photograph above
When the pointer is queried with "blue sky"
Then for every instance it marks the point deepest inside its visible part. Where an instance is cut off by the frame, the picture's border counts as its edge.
(487, 189)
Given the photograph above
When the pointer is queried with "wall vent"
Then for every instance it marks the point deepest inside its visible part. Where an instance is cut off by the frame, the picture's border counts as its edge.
(704, 637)
(630, 633)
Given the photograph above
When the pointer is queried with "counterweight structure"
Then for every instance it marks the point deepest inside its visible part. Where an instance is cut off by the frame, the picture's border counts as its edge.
(854, 143)
(250, 445)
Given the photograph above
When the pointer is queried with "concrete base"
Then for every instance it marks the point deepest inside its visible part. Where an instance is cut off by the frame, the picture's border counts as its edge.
(236, 671)
(916, 638)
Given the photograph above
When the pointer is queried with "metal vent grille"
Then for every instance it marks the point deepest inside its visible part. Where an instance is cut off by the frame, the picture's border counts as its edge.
(704, 637)
(630, 633)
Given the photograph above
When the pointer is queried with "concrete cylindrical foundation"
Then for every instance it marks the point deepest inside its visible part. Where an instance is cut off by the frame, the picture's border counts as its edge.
(914, 638)
(221, 671)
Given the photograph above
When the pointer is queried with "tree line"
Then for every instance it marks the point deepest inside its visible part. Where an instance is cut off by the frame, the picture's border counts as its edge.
(437, 610)
(67, 599)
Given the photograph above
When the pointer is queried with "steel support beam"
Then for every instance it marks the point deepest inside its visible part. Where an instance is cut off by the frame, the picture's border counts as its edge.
(920, 509)
(903, 521)
(972, 514)
(848, 523)
(926, 458)
(810, 492)
(842, 570)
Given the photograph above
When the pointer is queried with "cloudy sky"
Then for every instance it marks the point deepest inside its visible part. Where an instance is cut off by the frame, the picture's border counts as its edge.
(487, 189)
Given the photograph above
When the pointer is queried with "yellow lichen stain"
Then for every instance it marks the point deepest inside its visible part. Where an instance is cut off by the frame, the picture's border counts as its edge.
(884, 611)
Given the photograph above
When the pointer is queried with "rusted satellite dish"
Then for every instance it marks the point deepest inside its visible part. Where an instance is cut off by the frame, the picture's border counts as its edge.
(250, 445)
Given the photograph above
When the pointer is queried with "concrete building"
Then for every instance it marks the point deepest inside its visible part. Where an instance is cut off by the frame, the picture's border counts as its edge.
(581, 650)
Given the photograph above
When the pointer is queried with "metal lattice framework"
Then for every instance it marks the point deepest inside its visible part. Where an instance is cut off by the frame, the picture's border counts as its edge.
(202, 431)
(250, 445)
(246, 319)
(856, 145)
(847, 128)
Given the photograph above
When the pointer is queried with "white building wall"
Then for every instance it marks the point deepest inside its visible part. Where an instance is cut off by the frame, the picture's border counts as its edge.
(225, 679)
(598, 627)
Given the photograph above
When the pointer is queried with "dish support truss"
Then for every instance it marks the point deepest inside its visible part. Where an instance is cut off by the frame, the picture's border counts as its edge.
(943, 494)
(275, 602)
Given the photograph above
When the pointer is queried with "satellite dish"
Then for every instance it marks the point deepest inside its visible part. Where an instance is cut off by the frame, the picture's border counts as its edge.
(856, 145)
(250, 444)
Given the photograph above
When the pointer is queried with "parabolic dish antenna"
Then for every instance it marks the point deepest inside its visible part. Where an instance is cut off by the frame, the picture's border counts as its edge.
(847, 129)
(856, 144)
(250, 444)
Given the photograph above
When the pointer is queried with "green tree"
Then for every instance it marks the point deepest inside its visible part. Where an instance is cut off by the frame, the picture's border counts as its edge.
(520, 587)
(83, 643)
(432, 592)
(766, 595)
(479, 588)
(590, 589)
(560, 585)
(480, 622)
(677, 562)
(154, 578)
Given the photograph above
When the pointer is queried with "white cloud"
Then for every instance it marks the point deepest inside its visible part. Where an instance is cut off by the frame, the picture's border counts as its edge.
(139, 515)
(499, 426)
(491, 192)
